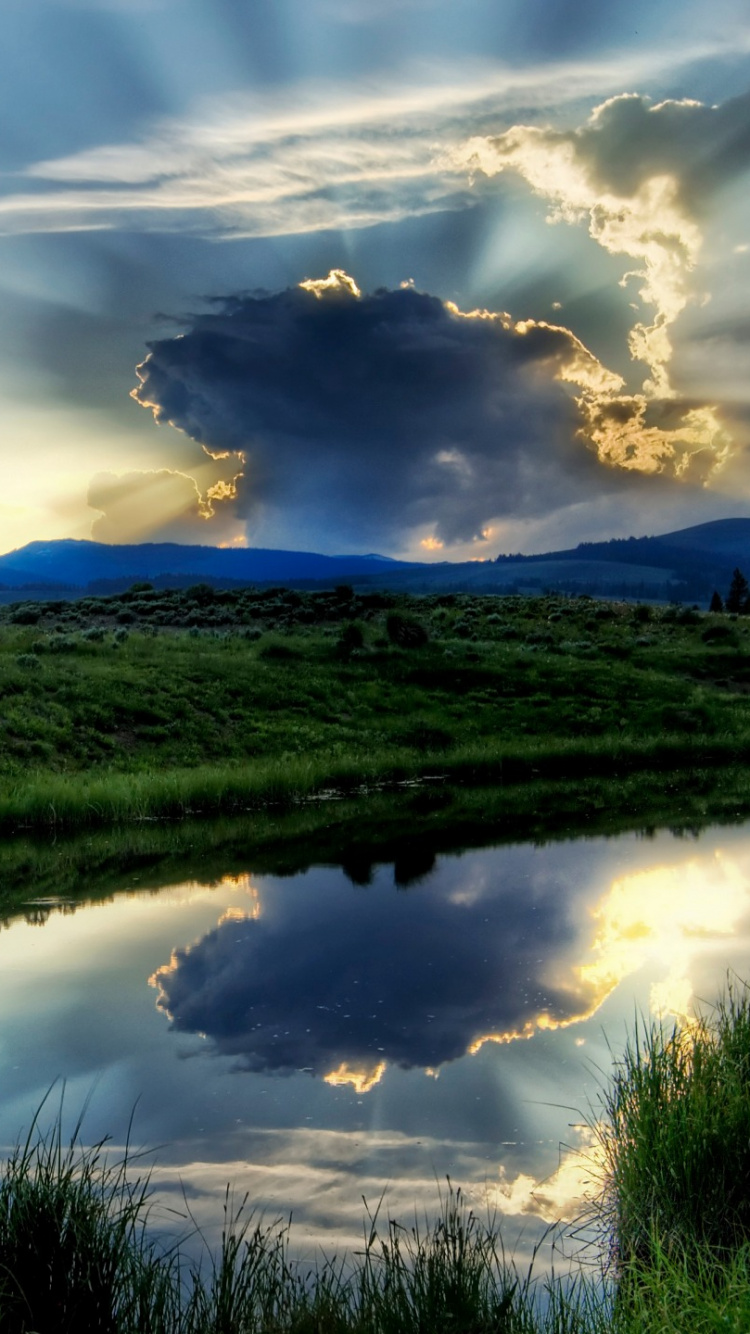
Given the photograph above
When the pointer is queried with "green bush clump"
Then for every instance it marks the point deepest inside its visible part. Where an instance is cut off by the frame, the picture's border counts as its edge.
(26, 614)
(350, 640)
(29, 661)
(719, 631)
(404, 631)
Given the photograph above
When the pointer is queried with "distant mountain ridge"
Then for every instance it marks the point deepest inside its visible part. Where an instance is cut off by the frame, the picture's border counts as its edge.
(684, 565)
(70, 562)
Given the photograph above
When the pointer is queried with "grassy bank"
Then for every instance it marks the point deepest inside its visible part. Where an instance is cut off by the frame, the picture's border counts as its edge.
(674, 1212)
(171, 704)
(408, 827)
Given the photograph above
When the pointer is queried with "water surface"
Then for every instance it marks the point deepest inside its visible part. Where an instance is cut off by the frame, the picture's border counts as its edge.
(342, 1032)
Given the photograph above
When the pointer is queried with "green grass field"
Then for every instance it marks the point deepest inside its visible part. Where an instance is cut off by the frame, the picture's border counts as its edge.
(167, 703)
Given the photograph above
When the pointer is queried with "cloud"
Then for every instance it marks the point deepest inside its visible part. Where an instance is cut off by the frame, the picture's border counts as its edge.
(642, 177)
(388, 412)
(159, 506)
(462, 960)
(311, 158)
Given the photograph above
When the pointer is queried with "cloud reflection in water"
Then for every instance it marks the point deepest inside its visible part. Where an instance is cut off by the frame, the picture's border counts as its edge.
(343, 982)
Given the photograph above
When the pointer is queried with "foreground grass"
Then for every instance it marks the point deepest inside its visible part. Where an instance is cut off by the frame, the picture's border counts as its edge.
(677, 1141)
(76, 1253)
(211, 702)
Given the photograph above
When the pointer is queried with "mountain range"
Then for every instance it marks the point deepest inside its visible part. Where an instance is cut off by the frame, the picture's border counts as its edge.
(685, 565)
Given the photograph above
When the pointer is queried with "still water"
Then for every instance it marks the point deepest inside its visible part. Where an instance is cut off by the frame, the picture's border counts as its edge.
(332, 1034)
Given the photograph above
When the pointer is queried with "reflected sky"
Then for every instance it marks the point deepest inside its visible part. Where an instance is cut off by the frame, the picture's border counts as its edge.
(314, 1039)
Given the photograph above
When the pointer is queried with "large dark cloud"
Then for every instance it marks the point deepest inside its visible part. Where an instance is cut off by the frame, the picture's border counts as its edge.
(356, 977)
(378, 413)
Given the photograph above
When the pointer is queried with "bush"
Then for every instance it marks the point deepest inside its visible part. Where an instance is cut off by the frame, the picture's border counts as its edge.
(29, 661)
(26, 614)
(351, 638)
(405, 632)
(719, 630)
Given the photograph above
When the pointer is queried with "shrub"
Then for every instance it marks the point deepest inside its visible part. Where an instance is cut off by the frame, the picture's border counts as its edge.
(404, 631)
(28, 661)
(351, 638)
(462, 629)
(719, 630)
(203, 594)
(26, 614)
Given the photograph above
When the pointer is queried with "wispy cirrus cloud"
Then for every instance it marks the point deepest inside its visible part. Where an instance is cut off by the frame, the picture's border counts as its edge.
(312, 159)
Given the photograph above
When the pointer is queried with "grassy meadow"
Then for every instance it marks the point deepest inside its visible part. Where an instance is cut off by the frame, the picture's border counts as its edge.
(196, 701)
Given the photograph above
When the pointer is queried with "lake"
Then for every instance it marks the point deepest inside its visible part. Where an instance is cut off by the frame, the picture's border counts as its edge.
(345, 1031)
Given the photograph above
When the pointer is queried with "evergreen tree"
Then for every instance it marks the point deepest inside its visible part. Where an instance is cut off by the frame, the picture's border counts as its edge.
(739, 593)
(717, 602)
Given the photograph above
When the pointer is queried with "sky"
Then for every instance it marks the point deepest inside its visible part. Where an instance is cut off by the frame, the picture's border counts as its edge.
(433, 280)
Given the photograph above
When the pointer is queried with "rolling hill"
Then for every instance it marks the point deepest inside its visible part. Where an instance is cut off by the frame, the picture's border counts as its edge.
(684, 565)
